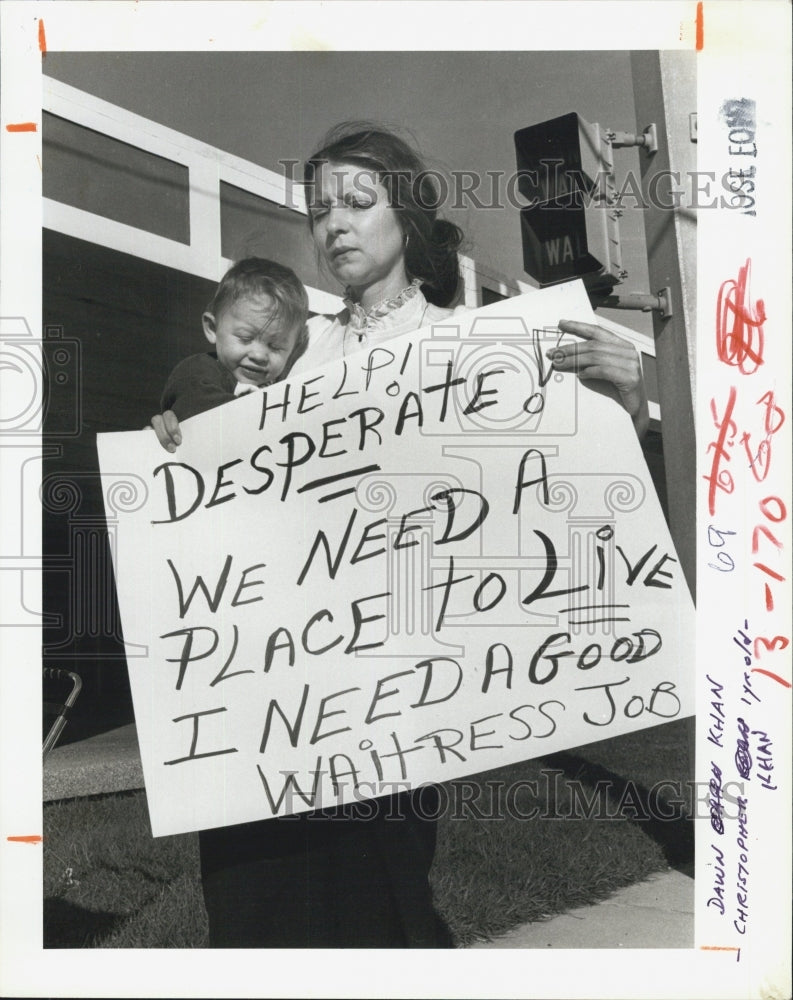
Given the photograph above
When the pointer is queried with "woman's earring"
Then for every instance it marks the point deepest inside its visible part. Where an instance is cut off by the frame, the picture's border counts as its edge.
(407, 240)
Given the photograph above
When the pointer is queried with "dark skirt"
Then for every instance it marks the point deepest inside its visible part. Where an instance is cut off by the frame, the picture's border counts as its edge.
(353, 877)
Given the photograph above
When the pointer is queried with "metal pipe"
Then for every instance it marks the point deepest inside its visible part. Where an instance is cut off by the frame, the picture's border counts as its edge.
(660, 303)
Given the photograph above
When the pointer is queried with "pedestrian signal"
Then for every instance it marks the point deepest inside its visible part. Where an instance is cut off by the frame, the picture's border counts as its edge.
(570, 227)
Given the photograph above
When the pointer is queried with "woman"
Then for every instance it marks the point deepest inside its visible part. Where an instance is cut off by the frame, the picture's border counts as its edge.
(358, 876)
(373, 218)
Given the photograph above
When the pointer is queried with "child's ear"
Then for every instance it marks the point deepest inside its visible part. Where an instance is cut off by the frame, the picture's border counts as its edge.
(208, 322)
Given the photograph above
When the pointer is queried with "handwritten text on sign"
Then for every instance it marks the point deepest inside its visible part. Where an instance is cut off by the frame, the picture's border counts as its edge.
(431, 558)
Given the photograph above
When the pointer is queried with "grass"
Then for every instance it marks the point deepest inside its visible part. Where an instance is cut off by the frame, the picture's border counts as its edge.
(109, 884)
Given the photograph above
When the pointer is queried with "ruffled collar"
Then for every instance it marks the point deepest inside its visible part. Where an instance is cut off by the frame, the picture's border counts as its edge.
(361, 319)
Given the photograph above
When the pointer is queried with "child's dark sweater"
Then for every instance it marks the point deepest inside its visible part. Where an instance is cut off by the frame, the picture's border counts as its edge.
(198, 383)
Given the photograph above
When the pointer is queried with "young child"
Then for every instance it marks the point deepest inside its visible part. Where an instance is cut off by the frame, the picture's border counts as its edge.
(256, 322)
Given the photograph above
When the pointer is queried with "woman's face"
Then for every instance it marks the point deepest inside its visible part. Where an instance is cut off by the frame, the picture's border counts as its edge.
(357, 231)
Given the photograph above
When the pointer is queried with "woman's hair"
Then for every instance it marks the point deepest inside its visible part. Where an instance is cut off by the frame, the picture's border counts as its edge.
(414, 193)
(255, 276)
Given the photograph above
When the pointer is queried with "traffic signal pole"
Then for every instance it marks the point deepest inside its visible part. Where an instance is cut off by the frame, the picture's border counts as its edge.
(664, 86)
(664, 92)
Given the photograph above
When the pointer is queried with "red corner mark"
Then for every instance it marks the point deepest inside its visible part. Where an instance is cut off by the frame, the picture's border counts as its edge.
(22, 127)
(42, 38)
(32, 838)
(700, 27)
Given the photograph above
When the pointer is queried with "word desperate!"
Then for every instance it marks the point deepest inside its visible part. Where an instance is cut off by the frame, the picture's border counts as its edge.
(337, 438)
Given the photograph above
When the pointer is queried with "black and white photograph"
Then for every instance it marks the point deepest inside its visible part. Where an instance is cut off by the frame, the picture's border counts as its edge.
(395, 452)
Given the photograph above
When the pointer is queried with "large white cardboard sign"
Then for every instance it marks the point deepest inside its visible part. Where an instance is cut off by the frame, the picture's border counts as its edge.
(426, 560)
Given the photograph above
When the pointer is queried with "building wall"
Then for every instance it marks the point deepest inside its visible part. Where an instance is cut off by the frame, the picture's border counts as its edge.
(126, 322)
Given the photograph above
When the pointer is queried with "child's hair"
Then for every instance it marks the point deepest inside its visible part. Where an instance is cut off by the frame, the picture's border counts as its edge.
(432, 245)
(257, 276)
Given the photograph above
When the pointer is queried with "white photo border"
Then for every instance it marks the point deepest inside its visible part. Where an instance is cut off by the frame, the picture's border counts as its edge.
(746, 52)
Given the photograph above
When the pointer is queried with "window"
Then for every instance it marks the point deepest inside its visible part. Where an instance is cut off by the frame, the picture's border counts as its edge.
(98, 174)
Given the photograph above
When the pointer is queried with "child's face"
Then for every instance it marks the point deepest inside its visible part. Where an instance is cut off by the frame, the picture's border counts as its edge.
(251, 340)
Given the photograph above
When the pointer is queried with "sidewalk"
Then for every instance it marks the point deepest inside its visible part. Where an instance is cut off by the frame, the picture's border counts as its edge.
(109, 762)
(658, 913)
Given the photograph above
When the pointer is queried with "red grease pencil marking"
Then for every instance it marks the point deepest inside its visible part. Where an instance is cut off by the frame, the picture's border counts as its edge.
(739, 323)
(22, 127)
(42, 38)
(32, 838)
(716, 947)
(700, 27)
(773, 676)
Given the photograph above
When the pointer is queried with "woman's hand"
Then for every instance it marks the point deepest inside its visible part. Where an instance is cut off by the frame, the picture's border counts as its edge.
(604, 355)
(166, 427)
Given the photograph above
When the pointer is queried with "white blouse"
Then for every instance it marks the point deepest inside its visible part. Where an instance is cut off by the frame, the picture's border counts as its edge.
(356, 329)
